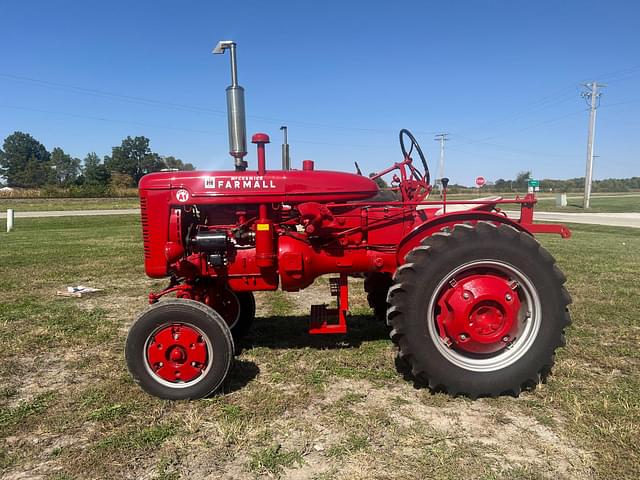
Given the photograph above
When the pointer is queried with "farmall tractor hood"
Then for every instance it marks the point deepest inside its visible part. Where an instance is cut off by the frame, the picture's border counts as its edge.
(288, 186)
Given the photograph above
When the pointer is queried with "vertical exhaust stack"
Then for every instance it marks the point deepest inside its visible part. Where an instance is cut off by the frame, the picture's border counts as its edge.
(286, 160)
(235, 109)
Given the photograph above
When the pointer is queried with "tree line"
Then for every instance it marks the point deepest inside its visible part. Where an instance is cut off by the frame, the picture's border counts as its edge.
(571, 185)
(26, 163)
(521, 181)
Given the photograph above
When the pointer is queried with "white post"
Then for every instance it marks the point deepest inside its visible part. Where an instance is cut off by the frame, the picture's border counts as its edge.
(9, 219)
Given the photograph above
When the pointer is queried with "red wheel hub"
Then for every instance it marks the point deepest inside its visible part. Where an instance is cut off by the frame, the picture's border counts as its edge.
(479, 313)
(177, 353)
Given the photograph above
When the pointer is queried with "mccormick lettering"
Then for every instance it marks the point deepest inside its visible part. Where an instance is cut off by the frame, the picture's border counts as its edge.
(230, 183)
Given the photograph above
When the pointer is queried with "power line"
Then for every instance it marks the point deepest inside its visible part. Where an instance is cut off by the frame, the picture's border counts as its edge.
(529, 127)
(111, 120)
(551, 100)
(180, 106)
(625, 102)
(167, 127)
(616, 74)
(111, 95)
(561, 96)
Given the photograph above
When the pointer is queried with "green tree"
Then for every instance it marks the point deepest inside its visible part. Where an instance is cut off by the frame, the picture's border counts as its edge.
(522, 179)
(24, 161)
(134, 158)
(384, 195)
(175, 163)
(379, 181)
(95, 173)
(65, 168)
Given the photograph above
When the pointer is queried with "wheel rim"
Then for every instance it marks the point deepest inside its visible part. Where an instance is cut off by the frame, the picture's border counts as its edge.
(178, 355)
(484, 315)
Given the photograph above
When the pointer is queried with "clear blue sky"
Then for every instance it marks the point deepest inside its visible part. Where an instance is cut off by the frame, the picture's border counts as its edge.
(502, 77)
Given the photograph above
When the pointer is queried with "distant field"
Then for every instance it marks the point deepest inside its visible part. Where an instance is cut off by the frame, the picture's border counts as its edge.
(610, 203)
(604, 202)
(42, 204)
(297, 406)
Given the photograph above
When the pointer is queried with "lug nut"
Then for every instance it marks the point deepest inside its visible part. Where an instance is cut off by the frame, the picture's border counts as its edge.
(462, 337)
(505, 338)
(508, 297)
(466, 295)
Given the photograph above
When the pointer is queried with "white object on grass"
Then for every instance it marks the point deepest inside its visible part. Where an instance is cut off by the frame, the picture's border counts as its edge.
(9, 219)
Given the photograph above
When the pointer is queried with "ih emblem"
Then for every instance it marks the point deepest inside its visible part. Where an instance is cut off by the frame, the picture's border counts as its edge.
(182, 195)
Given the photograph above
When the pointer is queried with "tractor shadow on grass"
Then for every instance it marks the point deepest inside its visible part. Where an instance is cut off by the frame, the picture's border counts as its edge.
(241, 374)
(291, 332)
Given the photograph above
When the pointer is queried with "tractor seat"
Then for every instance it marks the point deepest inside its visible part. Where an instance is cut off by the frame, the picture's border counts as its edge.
(462, 207)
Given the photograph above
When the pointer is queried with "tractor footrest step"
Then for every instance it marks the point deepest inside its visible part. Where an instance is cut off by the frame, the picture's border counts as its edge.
(319, 321)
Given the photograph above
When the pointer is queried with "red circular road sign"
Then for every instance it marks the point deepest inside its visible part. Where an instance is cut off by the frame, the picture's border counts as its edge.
(480, 181)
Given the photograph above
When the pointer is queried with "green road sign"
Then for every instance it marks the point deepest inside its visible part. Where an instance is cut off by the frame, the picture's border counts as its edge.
(534, 183)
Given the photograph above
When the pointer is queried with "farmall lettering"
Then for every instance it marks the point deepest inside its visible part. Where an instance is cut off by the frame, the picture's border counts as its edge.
(237, 182)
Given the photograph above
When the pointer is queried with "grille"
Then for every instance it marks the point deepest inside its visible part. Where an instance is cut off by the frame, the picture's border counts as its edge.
(145, 226)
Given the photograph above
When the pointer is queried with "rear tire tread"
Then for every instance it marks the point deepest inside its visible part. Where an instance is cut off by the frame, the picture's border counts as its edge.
(409, 274)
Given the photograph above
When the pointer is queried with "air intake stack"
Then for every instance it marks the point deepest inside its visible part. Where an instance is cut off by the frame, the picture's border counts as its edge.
(235, 109)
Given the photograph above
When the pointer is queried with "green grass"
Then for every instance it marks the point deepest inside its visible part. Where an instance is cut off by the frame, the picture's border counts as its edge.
(273, 460)
(326, 407)
(41, 204)
(11, 417)
(600, 202)
(610, 202)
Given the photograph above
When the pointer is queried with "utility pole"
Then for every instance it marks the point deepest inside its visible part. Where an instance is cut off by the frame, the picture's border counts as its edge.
(441, 137)
(592, 97)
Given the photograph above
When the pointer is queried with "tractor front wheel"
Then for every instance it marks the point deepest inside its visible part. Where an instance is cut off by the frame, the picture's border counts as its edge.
(479, 311)
(179, 349)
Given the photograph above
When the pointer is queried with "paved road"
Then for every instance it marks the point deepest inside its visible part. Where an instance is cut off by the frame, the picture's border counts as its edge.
(611, 219)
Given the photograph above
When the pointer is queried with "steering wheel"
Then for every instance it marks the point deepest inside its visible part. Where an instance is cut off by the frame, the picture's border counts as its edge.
(414, 144)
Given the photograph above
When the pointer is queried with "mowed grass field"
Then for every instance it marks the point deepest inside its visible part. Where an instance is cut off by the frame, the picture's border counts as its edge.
(42, 204)
(297, 406)
(606, 202)
(600, 203)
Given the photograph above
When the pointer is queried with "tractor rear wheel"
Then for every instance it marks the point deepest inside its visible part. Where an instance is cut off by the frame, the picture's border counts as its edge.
(179, 349)
(376, 285)
(479, 311)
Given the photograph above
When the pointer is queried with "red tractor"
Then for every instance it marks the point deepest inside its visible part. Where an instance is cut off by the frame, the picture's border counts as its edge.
(475, 304)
